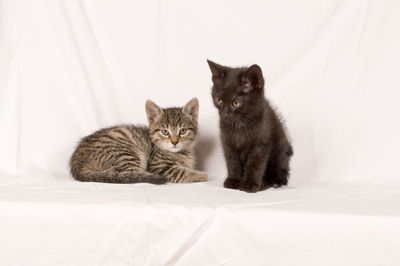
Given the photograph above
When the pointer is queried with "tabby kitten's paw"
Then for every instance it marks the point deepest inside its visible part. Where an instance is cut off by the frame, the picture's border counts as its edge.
(198, 176)
(232, 183)
(192, 176)
(249, 186)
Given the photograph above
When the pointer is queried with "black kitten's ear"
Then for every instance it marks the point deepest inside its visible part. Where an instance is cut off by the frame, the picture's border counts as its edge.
(253, 78)
(153, 111)
(218, 71)
(192, 108)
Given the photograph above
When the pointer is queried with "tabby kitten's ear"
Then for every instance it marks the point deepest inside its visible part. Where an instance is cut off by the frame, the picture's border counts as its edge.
(252, 79)
(218, 71)
(153, 111)
(192, 109)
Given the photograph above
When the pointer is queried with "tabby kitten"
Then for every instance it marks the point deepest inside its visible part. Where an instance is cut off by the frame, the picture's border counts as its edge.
(162, 152)
(256, 148)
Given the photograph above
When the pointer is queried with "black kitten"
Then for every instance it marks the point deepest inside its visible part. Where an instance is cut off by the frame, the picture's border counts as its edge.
(256, 148)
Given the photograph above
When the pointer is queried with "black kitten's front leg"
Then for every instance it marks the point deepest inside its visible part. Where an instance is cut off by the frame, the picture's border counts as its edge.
(255, 168)
(234, 166)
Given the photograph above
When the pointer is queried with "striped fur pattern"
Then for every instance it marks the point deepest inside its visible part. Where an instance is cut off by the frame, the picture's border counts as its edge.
(162, 152)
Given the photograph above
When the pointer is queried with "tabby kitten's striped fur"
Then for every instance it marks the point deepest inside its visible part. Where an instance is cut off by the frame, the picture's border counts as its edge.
(162, 152)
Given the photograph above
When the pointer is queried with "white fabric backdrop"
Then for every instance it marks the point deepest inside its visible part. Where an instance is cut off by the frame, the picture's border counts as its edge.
(68, 68)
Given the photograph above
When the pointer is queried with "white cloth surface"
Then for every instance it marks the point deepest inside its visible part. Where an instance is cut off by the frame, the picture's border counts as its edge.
(68, 68)
(70, 223)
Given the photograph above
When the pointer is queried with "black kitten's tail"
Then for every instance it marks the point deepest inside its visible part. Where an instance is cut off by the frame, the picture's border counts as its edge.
(123, 177)
(280, 178)
(277, 173)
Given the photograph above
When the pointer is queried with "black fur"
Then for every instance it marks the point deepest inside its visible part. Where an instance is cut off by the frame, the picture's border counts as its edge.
(256, 148)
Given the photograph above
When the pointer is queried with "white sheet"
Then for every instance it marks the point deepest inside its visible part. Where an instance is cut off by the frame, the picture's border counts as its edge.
(68, 68)
(70, 223)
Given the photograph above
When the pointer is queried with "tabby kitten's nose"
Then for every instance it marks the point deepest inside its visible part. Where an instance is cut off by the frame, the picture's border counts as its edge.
(174, 141)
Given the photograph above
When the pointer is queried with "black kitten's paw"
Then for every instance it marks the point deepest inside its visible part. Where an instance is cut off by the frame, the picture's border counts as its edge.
(231, 183)
(249, 187)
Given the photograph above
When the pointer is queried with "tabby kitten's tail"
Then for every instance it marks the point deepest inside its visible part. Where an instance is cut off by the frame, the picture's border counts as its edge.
(121, 177)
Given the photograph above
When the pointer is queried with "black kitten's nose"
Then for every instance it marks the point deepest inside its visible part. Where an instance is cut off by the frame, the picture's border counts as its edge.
(224, 115)
(224, 112)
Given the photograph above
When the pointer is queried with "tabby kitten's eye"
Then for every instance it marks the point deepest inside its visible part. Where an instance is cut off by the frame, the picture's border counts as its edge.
(236, 103)
(183, 131)
(164, 132)
(219, 101)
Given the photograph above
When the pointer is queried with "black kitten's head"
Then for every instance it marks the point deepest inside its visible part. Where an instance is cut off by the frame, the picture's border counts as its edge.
(238, 93)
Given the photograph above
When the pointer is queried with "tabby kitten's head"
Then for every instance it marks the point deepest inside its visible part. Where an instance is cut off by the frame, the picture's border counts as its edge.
(173, 129)
(238, 93)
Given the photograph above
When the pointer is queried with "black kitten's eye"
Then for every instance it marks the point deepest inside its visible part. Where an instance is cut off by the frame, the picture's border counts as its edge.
(164, 132)
(236, 103)
(219, 101)
(182, 131)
